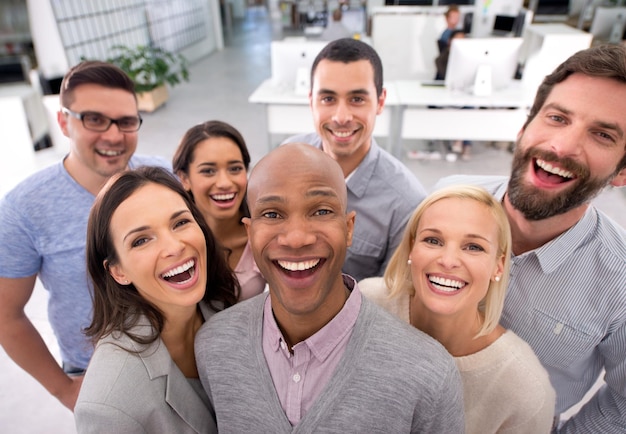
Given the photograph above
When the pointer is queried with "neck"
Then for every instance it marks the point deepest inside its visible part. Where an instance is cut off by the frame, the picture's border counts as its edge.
(86, 178)
(349, 162)
(225, 229)
(297, 327)
(528, 235)
(178, 336)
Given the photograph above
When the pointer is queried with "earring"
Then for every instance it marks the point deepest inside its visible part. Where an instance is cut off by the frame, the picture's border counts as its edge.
(497, 278)
(409, 261)
(126, 282)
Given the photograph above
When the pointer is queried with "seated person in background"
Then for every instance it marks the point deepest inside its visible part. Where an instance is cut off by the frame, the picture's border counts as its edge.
(157, 275)
(335, 28)
(441, 62)
(453, 16)
(313, 355)
(567, 292)
(448, 278)
(212, 161)
(346, 96)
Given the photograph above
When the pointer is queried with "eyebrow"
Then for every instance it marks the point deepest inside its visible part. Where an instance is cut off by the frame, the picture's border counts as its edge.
(352, 92)
(212, 163)
(473, 236)
(606, 125)
(318, 192)
(143, 228)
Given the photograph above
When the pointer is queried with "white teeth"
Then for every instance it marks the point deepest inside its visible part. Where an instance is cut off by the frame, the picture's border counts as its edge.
(554, 170)
(342, 133)
(298, 266)
(228, 196)
(444, 284)
(180, 269)
(108, 152)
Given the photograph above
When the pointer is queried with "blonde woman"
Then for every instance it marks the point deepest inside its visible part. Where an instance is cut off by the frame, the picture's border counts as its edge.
(448, 278)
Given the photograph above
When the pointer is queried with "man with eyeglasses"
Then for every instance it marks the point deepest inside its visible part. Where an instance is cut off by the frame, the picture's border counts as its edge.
(43, 222)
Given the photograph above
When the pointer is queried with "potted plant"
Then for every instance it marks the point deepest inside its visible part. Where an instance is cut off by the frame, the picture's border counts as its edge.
(151, 68)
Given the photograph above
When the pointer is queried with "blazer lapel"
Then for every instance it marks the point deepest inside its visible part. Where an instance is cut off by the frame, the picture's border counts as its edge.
(181, 396)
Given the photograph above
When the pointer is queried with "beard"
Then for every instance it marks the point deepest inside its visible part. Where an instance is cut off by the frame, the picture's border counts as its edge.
(536, 204)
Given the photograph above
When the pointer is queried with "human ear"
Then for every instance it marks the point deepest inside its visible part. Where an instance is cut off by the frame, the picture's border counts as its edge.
(117, 274)
(350, 218)
(62, 121)
(184, 179)
(620, 179)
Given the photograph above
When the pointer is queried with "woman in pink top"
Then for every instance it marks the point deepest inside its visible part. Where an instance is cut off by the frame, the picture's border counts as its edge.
(212, 162)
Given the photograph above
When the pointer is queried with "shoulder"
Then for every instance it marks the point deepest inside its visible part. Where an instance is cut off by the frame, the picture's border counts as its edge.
(149, 160)
(310, 138)
(231, 322)
(613, 237)
(113, 372)
(375, 289)
(490, 183)
(382, 177)
(412, 348)
(38, 184)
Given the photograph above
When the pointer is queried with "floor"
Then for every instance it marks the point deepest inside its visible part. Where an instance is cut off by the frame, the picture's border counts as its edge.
(219, 87)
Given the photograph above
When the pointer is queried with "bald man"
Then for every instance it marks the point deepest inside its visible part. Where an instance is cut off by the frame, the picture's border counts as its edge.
(313, 355)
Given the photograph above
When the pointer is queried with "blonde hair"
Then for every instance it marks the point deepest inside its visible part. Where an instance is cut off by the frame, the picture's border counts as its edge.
(398, 273)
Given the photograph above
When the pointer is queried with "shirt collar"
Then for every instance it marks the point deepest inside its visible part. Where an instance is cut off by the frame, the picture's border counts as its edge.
(325, 340)
(555, 252)
(359, 179)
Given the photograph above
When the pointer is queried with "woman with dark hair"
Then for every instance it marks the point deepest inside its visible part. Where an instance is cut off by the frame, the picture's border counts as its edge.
(158, 274)
(212, 161)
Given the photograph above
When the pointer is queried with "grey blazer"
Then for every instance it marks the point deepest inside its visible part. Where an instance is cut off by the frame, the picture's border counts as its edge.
(124, 392)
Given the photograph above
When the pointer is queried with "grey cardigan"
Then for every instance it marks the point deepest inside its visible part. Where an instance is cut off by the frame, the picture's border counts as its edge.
(124, 392)
(392, 378)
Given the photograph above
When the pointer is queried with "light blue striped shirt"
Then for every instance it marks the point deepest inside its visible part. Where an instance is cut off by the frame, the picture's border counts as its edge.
(567, 299)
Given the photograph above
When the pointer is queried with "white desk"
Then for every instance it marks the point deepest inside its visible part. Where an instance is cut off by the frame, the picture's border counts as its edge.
(287, 113)
(497, 117)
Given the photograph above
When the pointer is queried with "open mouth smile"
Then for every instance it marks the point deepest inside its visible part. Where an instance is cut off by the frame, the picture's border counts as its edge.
(446, 285)
(181, 274)
(550, 173)
(108, 152)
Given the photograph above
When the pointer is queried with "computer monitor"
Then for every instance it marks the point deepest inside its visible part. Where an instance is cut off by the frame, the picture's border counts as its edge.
(291, 61)
(503, 25)
(482, 65)
(608, 24)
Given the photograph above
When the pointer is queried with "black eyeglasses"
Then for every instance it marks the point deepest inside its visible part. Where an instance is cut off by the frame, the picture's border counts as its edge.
(95, 121)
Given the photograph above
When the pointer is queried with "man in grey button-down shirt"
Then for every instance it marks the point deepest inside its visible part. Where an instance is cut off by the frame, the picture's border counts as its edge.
(346, 96)
(567, 292)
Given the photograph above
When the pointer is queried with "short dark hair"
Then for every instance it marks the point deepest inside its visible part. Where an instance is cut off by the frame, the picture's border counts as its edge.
(349, 50)
(117, 308)
(607, 61)
(198, 133)
(94, 72)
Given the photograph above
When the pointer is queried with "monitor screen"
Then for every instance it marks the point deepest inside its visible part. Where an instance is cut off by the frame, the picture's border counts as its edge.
(473, 58)
(504, 23)
(608, 23)
(290, 57)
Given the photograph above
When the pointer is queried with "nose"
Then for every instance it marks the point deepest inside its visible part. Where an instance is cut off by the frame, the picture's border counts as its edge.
(171, 244)
(296, 233)
(569, 142)
(449, 257)
(222, 179)
(113, 134)
(342, 114)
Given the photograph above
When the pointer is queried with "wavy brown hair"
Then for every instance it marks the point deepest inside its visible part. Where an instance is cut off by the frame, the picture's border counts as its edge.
(119, 307)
